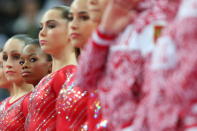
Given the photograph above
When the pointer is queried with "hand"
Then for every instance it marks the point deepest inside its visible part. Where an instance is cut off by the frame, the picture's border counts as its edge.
(118, 15)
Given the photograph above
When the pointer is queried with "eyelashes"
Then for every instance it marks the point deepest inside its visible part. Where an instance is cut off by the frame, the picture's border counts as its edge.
(80, 17)
(51, 26)
(85, 18)
(48, 25)
(32, 60)
(70, 18)
(40, 28)
(5, 57)
(21, 62)
(14, 57)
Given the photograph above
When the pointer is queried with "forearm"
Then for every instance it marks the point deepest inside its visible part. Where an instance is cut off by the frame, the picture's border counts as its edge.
(93, 60)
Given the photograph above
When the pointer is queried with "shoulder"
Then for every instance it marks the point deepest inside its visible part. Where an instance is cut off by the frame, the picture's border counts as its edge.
(68, 69)
(65, 72)
(62, 75)
(3, 104)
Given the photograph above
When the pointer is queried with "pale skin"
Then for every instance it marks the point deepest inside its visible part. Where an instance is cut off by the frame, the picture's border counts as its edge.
(4, 83)
(54, 40)
(96, 9)
(11, 55)
(118, 15)
(80, 24)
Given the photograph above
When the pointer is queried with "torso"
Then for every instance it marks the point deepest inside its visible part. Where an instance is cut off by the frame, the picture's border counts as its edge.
(72, 106)
(42, 112)
(12, 117)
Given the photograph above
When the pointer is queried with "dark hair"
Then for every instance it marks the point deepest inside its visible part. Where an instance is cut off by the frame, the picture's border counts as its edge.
(77, 52)
(64, 9)
(23, 37)
(36, 42)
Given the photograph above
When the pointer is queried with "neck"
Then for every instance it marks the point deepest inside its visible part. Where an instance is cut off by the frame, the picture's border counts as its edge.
(63, 58)
(18, 90)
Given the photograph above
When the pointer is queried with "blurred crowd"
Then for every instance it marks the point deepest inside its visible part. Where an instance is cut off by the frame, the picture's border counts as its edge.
(22, 16)
(98, 65)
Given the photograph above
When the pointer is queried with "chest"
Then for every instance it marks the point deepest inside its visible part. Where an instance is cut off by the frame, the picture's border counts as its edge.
(11, 116)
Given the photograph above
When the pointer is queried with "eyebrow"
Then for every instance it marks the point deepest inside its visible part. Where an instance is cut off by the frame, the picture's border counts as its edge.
(32, 54)
(23, 57)
(15, 52)
(48, 21)
(81, 12)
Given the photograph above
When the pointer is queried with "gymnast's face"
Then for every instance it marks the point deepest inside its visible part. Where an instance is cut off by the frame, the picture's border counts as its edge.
(11, 57)
(35, 64)
(80, 25)
(53, 32)
(96, 9)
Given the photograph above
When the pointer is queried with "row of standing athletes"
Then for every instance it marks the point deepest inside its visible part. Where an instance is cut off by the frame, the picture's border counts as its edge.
(137, 71)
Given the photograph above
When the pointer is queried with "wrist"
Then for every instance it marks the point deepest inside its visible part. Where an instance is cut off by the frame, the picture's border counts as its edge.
(104, 30)
(100, 37)
(104, 34)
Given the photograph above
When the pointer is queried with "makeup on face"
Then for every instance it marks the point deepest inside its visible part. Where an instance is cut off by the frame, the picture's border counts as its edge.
(80, 25)
(11, 56)
(53, 31)
(34, 64)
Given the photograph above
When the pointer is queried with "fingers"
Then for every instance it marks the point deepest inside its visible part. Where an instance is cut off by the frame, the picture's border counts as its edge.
(116, 17)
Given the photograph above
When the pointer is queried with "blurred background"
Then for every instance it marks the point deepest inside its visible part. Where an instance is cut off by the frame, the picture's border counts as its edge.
(22, 16)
